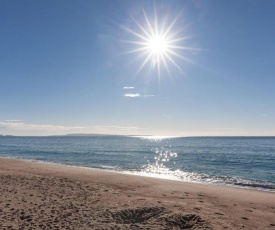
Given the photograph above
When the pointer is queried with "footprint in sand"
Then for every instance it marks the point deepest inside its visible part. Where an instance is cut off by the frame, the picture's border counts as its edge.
(249, 210)
(218, 213)
(134, 216)
(189, 221)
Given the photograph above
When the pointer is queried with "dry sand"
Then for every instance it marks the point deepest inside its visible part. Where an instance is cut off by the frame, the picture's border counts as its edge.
(47, 196)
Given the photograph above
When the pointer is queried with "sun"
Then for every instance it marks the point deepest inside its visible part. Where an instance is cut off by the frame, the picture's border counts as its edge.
(157, 45)
(158, 42)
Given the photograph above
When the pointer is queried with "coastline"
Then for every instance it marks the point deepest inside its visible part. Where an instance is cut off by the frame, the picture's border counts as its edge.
(44, 195)
(147, 175)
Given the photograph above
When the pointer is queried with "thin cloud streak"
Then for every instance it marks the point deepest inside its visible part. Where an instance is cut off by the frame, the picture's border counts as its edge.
(21, 128)
(131, 95)
(136, 95)
(128, 87)
(166, 116)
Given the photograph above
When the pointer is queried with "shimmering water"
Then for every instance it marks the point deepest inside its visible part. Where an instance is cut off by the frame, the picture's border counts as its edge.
(247, 162)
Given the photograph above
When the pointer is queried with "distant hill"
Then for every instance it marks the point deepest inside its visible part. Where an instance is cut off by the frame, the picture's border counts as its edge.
(92, 135)
(84, 135)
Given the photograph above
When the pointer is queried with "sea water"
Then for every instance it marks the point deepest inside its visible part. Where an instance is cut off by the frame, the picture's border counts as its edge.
(247, 162)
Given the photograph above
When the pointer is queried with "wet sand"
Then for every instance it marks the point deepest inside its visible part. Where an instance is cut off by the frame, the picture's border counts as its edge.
(46, 196)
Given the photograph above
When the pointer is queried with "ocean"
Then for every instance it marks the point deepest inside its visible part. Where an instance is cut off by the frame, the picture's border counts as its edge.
(245, 162)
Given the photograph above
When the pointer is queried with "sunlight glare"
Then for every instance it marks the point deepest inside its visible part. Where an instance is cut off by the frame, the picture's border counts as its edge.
(158, 43)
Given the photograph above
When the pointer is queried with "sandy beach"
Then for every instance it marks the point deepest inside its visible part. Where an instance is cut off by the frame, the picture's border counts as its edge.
(47, 196)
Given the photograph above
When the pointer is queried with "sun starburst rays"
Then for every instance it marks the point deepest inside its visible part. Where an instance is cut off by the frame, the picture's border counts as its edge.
(158, 43)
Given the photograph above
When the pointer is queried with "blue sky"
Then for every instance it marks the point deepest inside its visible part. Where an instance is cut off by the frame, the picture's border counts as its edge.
(64, 66)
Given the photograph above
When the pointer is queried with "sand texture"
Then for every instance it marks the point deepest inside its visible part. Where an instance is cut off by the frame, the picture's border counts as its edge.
(46, 196)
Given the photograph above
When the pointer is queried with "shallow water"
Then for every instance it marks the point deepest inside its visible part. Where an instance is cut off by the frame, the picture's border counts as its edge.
(247, 162)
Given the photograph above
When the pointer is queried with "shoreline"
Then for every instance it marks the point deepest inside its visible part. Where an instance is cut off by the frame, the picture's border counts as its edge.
(43, 196)
(155, 176)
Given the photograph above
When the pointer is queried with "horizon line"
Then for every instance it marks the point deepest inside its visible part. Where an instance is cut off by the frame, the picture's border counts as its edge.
(130, 135)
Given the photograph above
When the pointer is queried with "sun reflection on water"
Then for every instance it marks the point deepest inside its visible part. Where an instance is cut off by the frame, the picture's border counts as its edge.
(159, 166)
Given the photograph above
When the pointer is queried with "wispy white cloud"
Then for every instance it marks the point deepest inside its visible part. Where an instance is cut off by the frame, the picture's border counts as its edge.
(128, 87)
(131, 95)
(136, 95)
(166, 116)
(15, 125)
(21, 128)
